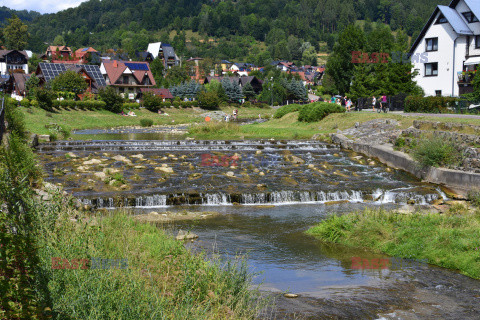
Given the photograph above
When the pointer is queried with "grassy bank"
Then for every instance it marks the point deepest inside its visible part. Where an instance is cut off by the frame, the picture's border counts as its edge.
(37, 118)
(163, 280)
(447, 240)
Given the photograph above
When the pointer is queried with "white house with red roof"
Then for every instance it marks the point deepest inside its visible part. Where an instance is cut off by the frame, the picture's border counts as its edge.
(127, 77)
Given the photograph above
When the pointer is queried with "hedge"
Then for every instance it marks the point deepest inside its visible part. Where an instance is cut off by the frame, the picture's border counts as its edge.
(318, 110)
(429, 104)
(72, 104)
(286, 109)
(131, 105)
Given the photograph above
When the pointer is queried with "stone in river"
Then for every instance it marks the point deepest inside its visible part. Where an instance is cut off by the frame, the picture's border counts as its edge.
(92, 162)
(182, 235)
(230, 174)
(290, 295)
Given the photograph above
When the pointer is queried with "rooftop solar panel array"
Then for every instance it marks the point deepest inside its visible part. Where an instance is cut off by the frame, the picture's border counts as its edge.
(51, 70)
(137, 66)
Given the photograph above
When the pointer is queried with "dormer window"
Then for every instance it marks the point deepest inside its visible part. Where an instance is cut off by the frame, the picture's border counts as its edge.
(441, 19)
(470, 17)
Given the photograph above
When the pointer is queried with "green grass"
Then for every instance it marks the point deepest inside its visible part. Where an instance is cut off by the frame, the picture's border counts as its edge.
(163, 280)
(447, 240)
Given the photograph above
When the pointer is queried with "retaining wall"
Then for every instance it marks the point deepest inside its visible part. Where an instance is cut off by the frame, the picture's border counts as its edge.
(457, 180)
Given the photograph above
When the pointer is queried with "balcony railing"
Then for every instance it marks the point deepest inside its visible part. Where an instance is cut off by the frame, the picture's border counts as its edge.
(465, 77)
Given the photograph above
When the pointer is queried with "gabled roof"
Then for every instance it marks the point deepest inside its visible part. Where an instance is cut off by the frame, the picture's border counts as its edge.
(453, 18)
(457, 23)
(115, 69)
(20, 79)
(3, 53)
(60, 48)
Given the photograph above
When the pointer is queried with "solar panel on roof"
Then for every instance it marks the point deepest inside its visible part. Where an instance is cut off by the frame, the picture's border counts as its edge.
(137, 66)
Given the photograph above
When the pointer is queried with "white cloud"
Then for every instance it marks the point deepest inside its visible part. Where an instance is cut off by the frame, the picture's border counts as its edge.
(43, 6)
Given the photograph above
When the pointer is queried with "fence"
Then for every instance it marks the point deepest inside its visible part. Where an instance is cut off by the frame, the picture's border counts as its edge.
(395, 103)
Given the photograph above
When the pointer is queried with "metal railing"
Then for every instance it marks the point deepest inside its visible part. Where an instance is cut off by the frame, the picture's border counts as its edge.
(395, 103)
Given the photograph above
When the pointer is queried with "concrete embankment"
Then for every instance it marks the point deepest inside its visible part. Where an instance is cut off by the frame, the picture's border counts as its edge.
(459, 181)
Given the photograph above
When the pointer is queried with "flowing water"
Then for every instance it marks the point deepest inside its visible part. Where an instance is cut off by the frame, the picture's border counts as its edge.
(268, 193)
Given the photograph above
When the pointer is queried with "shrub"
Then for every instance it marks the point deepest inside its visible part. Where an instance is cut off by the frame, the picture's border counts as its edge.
(65, 104)
(429, 104)
(25, 103)
(318, 110)
(99, 104)
(146, 122)
(44, 97)
(474, 197)
(113, 101)
(286, 109)
(152, 102)
(15, 120)
(437, 151)
(208, 100)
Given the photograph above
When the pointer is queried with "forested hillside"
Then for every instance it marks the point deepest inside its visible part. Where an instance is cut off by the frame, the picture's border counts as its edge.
(119, 23)
(25, 15)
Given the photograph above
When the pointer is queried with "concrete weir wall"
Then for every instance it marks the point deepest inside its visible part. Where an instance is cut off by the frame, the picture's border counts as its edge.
(457, 180)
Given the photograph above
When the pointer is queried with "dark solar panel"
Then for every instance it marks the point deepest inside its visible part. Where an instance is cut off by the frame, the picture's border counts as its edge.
(137, 66)
(51, 70)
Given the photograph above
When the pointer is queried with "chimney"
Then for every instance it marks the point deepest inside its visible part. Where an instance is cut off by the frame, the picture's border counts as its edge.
(115, 65)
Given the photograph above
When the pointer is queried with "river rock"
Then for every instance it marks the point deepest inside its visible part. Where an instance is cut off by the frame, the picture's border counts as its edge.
(71, 155)
(258, 152)
(290, 295)
(261, 174)
(139, 167)
(123, 187)
(92, 162)
(371, 163)
(411, 201)
(44, 137)
(120, 158)
(182, 235)
(230, 174)
(297, 160)
(100, 175)
(138, 156)
(311, 166)
(82, 169)
(164, 169)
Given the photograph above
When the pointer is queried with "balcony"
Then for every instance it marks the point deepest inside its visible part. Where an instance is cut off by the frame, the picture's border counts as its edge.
(465, 77)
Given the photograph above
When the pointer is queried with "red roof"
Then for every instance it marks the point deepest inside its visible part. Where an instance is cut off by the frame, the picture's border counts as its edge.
(83, 51)
(165, 93)
(115, 69)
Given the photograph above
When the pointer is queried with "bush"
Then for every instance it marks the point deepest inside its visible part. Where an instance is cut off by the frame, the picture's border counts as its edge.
(16, 121)
(286, 109)
(208, 100)
(45, 98)
(113, 101)
(318, 110)
(131, 106)
(429, 104)
(152, 102)
(25, 103)
(146, 122)
(437, 151)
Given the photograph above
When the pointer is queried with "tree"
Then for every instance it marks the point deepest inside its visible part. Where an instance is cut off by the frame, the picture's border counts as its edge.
(69, 81)
(114, 102)
(152, 102)
(208, 100)
(339, 64)
(32, 84)
(309, 56)
(15, 34)
(248, 91)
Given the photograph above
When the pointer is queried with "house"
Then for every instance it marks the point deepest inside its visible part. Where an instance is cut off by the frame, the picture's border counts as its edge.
(16, 84)
(114, 54)
(160, 92)
(165, 52)
(144, 56)
(127, 77)
(60, 53)
(46, 72)
(87, 55)
(194, 71)
(447, 51)
(13, 60)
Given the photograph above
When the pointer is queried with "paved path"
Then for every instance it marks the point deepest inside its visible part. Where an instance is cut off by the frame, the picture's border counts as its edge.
(435, 115)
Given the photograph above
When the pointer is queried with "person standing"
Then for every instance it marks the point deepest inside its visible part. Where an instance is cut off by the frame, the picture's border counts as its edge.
(349, 104)
(374, 102)
(384, 103)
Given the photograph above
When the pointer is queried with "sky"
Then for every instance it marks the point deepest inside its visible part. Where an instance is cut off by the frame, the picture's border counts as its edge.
(42, 6)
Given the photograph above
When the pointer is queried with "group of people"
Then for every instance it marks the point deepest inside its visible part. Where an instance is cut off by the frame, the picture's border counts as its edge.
(342, 101)
(233, 117)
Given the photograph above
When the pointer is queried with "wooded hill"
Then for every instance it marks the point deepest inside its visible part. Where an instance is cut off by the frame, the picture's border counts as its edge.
(110, 23)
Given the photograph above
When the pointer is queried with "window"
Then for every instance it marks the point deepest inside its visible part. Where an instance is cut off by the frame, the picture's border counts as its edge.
(441, 19)
(431, 69)
(470, 17)
(431, 44)
(477, 42)
(438, 93)
(125, 79)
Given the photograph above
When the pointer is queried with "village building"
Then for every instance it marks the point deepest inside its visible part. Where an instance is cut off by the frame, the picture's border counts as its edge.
(159, 92)
(127, 77)
(447, 51)
(256, 83)
(16, 84)
(46, 72)
(165, 52)
(87, 55)
(11, 60)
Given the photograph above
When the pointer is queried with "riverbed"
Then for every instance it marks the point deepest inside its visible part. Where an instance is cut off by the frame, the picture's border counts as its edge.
(266, 194)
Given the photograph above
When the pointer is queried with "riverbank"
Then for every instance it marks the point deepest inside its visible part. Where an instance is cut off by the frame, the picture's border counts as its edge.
(449, 240)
